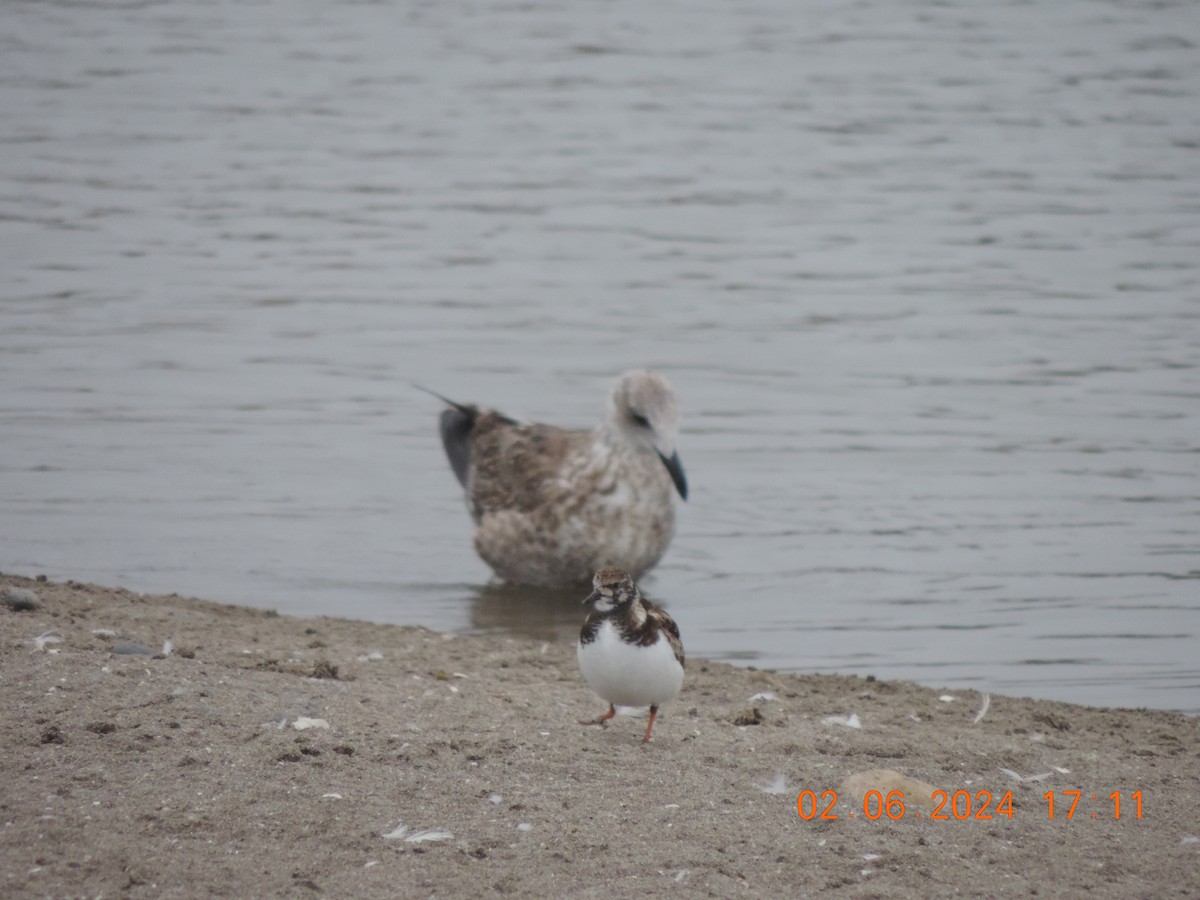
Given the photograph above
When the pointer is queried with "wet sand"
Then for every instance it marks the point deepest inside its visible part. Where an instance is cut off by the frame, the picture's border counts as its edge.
(271, 756)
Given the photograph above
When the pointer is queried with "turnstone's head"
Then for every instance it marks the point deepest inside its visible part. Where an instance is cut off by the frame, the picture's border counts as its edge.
(611, 589)
(645, 412)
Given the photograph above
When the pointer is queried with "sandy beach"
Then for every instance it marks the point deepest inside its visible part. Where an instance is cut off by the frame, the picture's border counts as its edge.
(271, 756)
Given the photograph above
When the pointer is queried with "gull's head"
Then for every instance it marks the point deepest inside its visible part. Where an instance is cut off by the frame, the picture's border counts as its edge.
(612, 588)
(644, 411)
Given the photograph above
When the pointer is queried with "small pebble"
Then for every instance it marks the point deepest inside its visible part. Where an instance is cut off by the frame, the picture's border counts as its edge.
(751, 716)
(19, 599)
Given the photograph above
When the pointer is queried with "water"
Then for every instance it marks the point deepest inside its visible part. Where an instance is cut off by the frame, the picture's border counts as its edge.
(925, 276)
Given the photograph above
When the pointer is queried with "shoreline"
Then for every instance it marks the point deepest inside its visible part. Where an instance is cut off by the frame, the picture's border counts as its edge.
(269, 755)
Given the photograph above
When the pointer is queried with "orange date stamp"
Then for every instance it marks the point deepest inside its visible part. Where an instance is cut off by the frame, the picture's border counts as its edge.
(949, 806)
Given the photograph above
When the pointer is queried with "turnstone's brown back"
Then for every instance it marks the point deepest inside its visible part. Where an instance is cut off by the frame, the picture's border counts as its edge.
(640, 622)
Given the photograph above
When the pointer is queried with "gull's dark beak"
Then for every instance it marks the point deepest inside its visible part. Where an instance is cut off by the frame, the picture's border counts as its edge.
(591, 598)
(675, 467)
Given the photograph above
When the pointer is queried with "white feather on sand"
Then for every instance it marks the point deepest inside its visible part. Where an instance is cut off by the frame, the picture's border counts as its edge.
(850, 721)
(46, 637)
(303, 723)
(778, 786)
(987, 701)
(417, 837)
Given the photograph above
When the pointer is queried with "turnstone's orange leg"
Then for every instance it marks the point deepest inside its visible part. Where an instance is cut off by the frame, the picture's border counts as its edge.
(653, 713)
(601, 720)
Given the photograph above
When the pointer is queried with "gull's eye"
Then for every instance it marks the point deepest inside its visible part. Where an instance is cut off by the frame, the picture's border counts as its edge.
(639, 420)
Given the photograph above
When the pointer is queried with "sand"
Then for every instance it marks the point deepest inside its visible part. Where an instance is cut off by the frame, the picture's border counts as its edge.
(272, 756)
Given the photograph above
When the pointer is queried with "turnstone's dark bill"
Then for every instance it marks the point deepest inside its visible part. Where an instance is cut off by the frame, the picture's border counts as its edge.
(552, 505)
(629, 649)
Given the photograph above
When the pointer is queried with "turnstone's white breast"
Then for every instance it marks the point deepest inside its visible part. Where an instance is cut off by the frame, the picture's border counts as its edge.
(629, 649)
(553, 505)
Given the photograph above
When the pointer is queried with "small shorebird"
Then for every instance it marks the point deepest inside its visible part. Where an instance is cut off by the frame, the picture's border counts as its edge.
(552, 505)
(629, 649)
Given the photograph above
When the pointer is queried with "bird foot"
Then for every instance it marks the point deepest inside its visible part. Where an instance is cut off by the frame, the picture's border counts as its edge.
(600, 720)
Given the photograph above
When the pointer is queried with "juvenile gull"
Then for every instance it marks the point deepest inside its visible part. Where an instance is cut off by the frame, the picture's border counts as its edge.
(553, 505)
(629, 650)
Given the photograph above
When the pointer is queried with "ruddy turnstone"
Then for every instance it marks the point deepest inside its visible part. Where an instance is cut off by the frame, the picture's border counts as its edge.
(552, 505)
(629, 650)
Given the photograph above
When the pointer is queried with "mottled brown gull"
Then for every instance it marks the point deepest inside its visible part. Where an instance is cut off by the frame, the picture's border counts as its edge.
(553, 505)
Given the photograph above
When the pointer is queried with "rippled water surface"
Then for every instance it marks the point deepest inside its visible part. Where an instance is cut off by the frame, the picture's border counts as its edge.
(924, 275)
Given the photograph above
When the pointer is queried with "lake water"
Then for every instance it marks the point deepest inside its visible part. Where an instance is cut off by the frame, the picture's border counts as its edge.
(926, 277)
